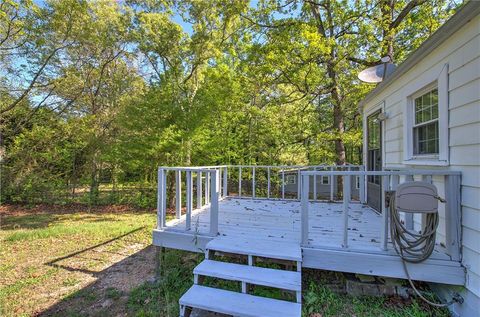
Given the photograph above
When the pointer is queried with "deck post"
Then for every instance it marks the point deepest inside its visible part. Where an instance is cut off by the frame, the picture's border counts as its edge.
(453, 234)
(409, 224)
(178, 194)
(161, 200)
(215, 181)
(199, 190)
(315, 184)
(346, 202)
(189, 196)
(225, 182)
(304, 205)
(331, 184)
(283, 183)
(240, 181)
(253, 182)
(385, 209)
(268, 182)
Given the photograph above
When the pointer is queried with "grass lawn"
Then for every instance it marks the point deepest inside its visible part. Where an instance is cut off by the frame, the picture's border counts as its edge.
(71, 261)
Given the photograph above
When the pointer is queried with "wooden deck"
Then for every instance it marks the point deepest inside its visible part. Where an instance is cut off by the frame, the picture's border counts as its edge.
(280, 220)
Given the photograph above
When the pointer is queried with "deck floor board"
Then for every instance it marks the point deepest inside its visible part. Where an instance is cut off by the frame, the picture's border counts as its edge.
(278, 220)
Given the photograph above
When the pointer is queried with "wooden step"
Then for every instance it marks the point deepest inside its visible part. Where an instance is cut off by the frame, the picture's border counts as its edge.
(287, 280)
(262, 248)
(237, 304)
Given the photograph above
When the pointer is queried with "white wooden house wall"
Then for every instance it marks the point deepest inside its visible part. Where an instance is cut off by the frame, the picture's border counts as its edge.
(460, 55)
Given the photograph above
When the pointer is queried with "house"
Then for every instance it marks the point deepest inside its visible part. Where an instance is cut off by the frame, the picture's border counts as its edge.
(429, 130)
(432, 108)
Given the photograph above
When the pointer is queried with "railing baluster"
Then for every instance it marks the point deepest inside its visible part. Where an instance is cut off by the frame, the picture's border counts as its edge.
(189, 196)
(428, 179)
(332, 185)
(346, 202)
(240, 181)
(304, 206)
(253, 182)
(315, 184)
(283, 183)
(207, 188)
(199, 190)
(453, 216)
(362, 179)
(299, 185)
(178, 194)
(409, 224)
(225, 182)
(385, 209)
(395, 181)
(215, 181)
(161, 200)
(268, 182)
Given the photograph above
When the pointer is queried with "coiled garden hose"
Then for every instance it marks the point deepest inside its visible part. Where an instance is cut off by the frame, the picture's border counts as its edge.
(415, 247)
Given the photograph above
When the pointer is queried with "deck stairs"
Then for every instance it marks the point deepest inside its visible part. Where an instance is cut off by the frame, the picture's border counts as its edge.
(249, 275)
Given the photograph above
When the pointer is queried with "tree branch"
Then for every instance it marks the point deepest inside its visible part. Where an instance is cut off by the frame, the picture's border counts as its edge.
(364, 62)
(409, 7)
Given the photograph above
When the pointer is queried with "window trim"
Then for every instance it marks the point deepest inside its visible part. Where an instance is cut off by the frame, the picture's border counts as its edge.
(442, 158)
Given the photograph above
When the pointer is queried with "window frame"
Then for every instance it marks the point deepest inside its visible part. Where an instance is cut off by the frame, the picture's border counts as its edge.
(291, 176)
(434, 79)
(325, 177)
(424, 123)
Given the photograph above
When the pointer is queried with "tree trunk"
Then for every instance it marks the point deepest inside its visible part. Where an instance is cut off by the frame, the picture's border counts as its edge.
(94, 182)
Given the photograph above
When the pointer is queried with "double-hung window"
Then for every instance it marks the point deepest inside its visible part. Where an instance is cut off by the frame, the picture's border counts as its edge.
(425, 125)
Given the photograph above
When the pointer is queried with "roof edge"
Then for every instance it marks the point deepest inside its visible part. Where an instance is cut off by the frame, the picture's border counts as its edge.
(463, 16)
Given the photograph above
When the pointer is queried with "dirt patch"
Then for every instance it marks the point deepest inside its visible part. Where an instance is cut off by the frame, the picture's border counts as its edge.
(107, 294)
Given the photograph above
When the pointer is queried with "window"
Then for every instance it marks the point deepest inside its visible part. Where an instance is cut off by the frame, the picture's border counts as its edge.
(357, 182)
(290, 179)
(425, 126)
(325, 180)
(425, 119)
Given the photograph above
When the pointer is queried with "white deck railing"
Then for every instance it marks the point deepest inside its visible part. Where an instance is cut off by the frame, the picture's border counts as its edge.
(208, 176)
(389, 181)
(206, 185)
(203, 187)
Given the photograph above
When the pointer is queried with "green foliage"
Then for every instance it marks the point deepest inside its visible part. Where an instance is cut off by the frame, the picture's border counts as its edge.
(321, 300)
(94, 95)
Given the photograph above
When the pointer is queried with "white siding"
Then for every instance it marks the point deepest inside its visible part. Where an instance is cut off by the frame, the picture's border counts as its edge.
(462, 54)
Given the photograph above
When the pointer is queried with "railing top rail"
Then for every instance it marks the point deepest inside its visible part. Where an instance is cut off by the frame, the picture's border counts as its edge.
(196, 168)
(190, 169)
(383, 173)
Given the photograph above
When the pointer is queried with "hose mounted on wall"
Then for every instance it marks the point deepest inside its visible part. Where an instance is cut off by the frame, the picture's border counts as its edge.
(413, 246)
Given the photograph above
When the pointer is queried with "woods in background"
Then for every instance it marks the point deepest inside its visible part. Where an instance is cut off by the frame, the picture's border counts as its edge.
(94, 95)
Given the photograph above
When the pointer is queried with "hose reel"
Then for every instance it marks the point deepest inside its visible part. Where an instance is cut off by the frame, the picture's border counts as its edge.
(412, 246)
